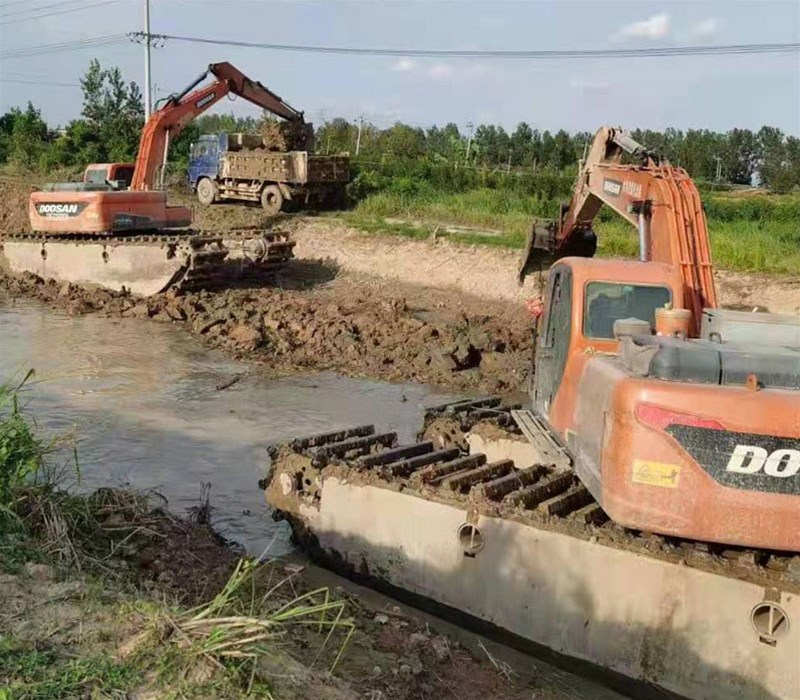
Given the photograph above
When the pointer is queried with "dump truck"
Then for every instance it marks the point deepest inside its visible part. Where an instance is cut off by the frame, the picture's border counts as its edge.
(117, 230)
(641, 510)
(242, 167)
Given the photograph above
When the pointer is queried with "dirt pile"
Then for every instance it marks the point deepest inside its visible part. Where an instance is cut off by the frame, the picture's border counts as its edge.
(14, 196)
(350, 325)
(288, 136)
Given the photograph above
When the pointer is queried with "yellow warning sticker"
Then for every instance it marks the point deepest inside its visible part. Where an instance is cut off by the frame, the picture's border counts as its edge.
(665, 476)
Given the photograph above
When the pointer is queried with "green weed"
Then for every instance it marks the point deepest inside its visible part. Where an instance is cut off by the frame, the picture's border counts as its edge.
(33, 674)
(747, 233)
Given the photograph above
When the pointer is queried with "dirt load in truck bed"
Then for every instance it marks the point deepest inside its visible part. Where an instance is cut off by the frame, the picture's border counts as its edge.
(288, 136)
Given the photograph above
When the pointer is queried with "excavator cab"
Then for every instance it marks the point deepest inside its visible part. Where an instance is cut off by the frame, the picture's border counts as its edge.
(584, 300)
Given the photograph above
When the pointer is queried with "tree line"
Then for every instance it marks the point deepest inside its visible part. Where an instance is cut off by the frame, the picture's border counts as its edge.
(112, 116)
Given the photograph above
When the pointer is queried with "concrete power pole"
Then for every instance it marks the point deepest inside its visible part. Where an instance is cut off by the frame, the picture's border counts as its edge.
(148, 97)
(358, 138)
(470, 126)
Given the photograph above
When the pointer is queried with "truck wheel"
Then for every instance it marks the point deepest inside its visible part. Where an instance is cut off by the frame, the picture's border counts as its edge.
(207, 191)
(272, 199)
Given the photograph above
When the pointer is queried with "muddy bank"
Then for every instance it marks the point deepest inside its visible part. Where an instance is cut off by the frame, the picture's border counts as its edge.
(110, 594)
(482, 271)
(353, 325)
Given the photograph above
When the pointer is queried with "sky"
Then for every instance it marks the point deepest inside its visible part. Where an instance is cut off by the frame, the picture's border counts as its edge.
(715, 92)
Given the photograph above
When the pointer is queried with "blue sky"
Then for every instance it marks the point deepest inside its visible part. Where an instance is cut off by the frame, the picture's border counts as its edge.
(698, 92)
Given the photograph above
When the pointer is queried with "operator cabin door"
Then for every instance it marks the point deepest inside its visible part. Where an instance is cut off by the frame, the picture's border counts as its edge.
(554, 338)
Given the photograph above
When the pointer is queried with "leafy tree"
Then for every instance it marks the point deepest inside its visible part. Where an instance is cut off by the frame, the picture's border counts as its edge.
(114, 110)
(28, 138)
(522, 145)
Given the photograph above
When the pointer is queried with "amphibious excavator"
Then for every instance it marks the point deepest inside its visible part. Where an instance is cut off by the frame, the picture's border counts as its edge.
(115, 229)
(642, 512)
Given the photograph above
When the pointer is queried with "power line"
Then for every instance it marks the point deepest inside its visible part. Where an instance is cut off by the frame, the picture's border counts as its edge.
(37, 82)
(64, 46)
(651, 52)
(15, 2)
(62, 12)
(35, 9)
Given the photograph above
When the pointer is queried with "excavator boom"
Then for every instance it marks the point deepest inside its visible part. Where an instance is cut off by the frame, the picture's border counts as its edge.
(659, 199)
(101, 232)
(167, 122)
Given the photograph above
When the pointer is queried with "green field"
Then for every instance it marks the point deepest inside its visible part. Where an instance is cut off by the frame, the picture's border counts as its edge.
(753, 232)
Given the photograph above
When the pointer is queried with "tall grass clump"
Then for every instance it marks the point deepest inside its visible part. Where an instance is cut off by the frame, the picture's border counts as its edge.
(21, 451)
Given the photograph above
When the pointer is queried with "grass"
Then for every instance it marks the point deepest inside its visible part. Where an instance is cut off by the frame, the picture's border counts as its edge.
(127, 638)
(754, 233)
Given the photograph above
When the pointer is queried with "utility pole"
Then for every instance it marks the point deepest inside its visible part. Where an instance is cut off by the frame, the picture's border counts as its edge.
(470, 126)
(508, 165)
(358, 138)
(148, 97)
(719, 168)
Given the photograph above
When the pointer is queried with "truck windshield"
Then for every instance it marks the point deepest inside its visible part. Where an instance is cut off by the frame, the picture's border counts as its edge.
(606, 302)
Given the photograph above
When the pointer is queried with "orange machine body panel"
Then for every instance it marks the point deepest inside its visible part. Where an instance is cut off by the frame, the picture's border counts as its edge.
(105, 212)
(712, 462)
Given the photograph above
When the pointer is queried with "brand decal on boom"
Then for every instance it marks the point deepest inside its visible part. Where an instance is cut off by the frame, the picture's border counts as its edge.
(208, 98)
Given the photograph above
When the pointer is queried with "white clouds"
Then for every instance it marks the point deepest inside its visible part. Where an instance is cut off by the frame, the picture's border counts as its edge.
(404, 65)
(441, 71)
(703, 29)
(659, 26)
(654, 27)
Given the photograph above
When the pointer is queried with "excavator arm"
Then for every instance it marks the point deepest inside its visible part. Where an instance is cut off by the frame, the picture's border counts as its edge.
(662, 202)
(170, 119)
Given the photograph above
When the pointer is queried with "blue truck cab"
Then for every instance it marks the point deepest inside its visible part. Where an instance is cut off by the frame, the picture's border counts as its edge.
(204, 157)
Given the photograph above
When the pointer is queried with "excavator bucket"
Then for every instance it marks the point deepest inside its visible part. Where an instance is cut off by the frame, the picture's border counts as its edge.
(541, 251)
(536, 255)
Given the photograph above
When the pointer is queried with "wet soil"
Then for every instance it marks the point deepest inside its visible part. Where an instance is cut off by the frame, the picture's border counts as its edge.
(355, 325)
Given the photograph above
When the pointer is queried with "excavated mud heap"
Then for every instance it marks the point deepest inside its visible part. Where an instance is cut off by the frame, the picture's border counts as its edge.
(288, 136)
(348, 325)
(14, 206)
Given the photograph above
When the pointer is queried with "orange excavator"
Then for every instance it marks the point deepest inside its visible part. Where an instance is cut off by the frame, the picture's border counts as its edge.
(116, 229)
(642, 511)
(694, 431)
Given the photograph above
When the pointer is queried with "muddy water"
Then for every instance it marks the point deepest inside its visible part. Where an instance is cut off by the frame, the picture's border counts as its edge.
(144, 403)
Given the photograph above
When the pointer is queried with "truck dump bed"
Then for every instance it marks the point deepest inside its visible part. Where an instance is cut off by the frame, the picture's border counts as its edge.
(295, 167)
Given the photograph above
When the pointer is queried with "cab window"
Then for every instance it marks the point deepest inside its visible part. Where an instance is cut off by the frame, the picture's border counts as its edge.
(125, 174)
(200, 149)
(97, 176)
(606, 302)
